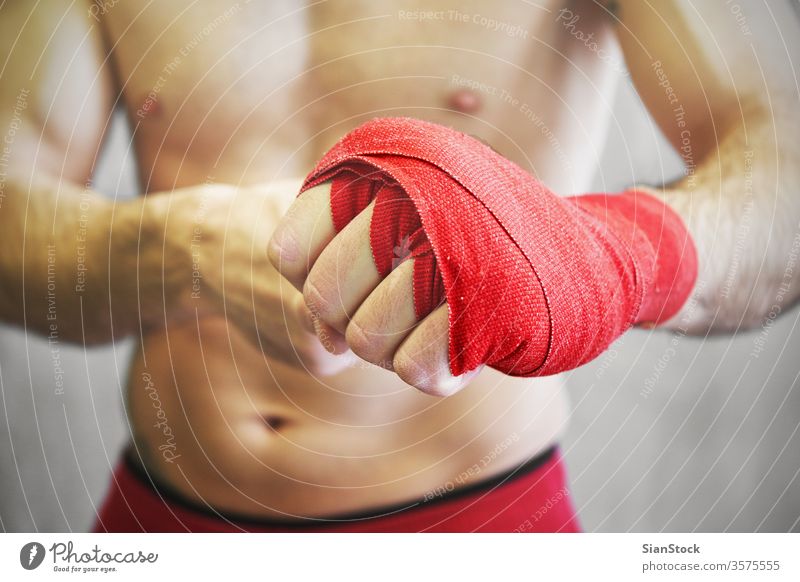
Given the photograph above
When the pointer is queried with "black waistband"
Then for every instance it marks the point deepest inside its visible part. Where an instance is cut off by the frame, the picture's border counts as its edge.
(169, 494)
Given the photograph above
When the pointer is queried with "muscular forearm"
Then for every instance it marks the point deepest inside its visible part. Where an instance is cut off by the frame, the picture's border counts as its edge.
(77, 265)
(742, 207)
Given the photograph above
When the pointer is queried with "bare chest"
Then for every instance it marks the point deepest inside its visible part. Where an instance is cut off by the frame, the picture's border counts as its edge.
(258, 90)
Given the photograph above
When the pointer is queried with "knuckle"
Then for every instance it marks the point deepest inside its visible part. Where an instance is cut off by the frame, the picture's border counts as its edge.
(433, 380)
(318, 304)
(359, 341)
(274, 254)
(283, 253)
(274, 251)
(364, 344)
(412, 373)
(407, 369)
(323, 297)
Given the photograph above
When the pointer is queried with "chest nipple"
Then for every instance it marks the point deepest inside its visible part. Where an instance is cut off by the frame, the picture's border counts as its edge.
(464, 101)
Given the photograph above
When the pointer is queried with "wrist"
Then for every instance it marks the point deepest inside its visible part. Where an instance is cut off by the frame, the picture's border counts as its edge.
(161, 246)
(660, 246)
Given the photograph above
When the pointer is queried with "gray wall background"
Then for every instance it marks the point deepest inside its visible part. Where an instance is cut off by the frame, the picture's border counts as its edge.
(714, 447)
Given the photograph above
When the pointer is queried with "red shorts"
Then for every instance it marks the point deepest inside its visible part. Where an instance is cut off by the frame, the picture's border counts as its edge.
(532, 498)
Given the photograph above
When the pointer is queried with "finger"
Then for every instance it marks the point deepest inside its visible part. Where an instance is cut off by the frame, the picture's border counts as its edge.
(385, 318)
(423, 359)
(302, 234)
(333, 341)
(343, 275)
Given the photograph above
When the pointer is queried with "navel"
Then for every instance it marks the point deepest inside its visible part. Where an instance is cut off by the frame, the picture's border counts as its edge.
(274, 422)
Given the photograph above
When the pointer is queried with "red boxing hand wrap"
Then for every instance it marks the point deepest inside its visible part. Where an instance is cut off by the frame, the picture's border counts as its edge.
(535, 284)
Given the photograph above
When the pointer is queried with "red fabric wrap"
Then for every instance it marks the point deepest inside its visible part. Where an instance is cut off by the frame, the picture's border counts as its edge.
(535, 284)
